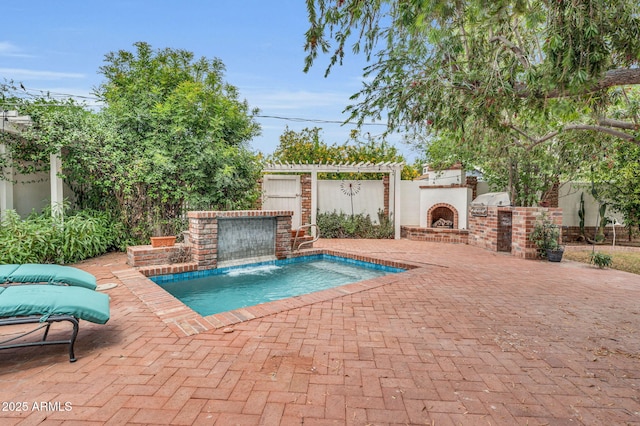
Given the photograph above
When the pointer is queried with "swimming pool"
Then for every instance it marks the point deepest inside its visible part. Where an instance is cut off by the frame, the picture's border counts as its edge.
(225, 289)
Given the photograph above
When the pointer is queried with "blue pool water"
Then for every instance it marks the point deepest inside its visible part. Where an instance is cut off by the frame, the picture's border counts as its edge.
(225, 289)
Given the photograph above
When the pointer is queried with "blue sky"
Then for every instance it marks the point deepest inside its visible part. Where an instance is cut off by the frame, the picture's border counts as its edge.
(58, 46)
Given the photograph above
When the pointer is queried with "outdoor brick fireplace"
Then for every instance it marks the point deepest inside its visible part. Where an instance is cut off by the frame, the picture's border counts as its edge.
(440, 222)
(442, 215)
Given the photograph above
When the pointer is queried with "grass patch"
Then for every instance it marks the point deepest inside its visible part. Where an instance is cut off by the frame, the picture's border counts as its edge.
(628, 261)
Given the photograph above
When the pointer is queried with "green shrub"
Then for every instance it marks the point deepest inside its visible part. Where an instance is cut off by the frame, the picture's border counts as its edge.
(342, 225)
(42, 239)
(601, 260)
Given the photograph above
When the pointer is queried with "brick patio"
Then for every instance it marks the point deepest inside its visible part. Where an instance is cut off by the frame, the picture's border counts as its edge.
(469, 337)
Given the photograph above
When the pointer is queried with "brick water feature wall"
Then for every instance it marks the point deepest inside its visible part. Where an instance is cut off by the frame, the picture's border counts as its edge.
(203, 231)
(484, 230)
(161, 260)
(200, 250)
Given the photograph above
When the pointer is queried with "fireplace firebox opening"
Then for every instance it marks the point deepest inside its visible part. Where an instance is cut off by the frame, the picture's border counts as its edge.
(442, 216)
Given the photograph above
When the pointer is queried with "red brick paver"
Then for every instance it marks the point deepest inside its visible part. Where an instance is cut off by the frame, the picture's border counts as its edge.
(469, 337)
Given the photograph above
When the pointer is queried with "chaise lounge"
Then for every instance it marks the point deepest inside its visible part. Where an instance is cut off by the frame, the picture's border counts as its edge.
(43, 273)
(27, 297)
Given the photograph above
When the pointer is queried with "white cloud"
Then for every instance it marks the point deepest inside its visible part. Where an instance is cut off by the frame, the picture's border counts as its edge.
(25, 74)
(11, 50)
(295, 100)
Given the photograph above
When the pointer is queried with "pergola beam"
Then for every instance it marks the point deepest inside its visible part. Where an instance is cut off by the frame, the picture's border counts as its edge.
(387, 167)
(393, 169)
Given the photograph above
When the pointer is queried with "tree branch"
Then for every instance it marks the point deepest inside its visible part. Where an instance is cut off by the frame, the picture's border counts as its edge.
(619, 77)
(607, 130)
(618, 124)
(550, 135)
(515, 49)
(535, 142)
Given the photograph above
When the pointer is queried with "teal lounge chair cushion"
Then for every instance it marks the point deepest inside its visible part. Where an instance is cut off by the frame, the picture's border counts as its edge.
(6, 271)
(46, 273)
(46, 300)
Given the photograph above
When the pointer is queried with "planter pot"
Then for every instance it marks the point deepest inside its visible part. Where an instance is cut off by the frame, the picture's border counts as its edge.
(555, 255)
(163, 241)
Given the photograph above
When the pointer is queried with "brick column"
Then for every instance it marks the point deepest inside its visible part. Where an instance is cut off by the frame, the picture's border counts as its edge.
(553, 194)
(283, 237)
(524, 220)
(203, 231)
(483, 230)
(472, 182)
(305, 187)
(385, 183)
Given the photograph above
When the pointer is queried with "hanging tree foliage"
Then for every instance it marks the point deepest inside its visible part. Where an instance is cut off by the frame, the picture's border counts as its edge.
(502, 77)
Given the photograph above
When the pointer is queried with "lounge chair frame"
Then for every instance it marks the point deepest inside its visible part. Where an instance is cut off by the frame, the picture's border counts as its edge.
(43, 324)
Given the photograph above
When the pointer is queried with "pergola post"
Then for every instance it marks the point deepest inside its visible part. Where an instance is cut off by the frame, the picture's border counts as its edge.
(6, 185)
(6, 182)
(57, 196)
(394, 189)
(314, 200)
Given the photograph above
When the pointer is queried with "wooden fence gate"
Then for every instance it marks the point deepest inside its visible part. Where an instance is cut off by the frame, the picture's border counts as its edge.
(283, 192)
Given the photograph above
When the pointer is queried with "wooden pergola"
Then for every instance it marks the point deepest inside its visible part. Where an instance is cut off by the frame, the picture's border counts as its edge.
(393, 169)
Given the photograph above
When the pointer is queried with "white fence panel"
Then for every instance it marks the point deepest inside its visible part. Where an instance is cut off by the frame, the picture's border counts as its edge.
(366, 197)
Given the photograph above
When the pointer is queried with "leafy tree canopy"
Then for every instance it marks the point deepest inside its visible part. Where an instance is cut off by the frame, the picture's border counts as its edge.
(511, 77)
(617, 181)
(307, 146)
(172, 134)
(181, 134)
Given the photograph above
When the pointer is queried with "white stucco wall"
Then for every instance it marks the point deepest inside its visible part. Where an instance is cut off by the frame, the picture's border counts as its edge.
(410, 202)
(31, 192)
(569, 202)
(445, 177)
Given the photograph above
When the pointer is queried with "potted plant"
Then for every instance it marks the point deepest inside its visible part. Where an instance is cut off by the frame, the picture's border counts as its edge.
(160, 236)
(546, 237)
(164, 241)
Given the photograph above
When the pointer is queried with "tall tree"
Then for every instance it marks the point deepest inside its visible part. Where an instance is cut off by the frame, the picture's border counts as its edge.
(514, 68)
(307, 146)
(181, 134)
(172, 134)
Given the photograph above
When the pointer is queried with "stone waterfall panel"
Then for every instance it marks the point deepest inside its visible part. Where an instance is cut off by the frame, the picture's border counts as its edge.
(241, 238)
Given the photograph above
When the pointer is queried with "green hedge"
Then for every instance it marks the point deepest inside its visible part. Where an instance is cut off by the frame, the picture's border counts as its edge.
(43, 239)
(342, 225)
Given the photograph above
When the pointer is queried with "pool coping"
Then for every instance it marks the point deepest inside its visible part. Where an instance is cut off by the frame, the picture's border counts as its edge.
(184, 321)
